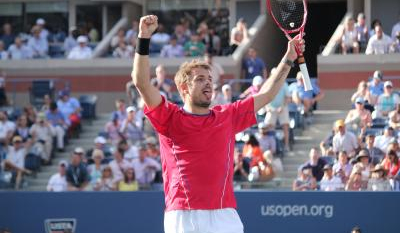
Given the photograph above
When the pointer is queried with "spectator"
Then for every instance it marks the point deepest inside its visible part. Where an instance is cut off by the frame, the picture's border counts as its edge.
(22, 128)
(362, 31)
(46, 103)
(15, 159)
(132, 94)
(194, 47)
(58, 181)
(18, 50)
(112, 129)
(254, 88)
(265, 138)
(239, 33)
(118, 165)
(349, 42)
(7, 36)
(391, 164)
(386, 102)
(375, 153)
(376, 86)
(342, 168)
(37, 44)
(44, 33)
(132, 33)
(241, 169)
(180, 35)
(344, 140)
(379, 43)
(394, 117)
(100, 143)
(131, 128)
(305, 180)
(7, 128)
(252, 151)
(396, 28)
(81, 51)
(3, 52)
(57, 120)
(363, 165)
(329, 181)
(237, 40)
(374, 23)
(215, 68)
(118, 38)
(30, 113)
(276, 163)
(378, 180)
(162, 83)
(145, 167)
(358, 118)
(227, 92)
(93, 33)
(123, 50)
(253, 66)
(354, 183)
(212, 42)
(129, 182)
(42, 135)
(77, 175)
(95, 170)
(173, 49)
(159, 39)
(356, 229)
(395, 47)
(364, 92)
(106, 182)
(316, 164)
(121, 110)
(277, 110)
(382, 141)
(308, 99)
(70, 42)
(70, 108)
(152, 149)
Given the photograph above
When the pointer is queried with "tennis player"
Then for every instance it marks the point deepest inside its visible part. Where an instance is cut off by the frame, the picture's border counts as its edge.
(197, 142)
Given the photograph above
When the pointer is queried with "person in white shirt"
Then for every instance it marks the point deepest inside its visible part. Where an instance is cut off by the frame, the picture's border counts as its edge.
(379, 43)
(15, 159)
(58, 181)
(344, 140)
(349, 41)
(396, 29)
(173, 49)
(18, 50)
(7, 128)
(145, 167)
(44, 33)
(330, 182)
(42, 134)
(38, 44)
(82, 51)
(382, 141)
(118, 165)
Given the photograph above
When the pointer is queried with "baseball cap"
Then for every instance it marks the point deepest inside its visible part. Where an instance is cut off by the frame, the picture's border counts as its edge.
(360, 100)
(79, 150)
(327, 167)
(40, 21)
(17, 139)
(378, 74)
(82, 39)
(226, 87)
(388, 84)
(257, 80)
(130, 109)
(339, 123)
(63, 163)
(100, 139)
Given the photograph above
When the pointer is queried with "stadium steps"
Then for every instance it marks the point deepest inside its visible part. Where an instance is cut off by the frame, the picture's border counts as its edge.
(322, 122)
(85, 140)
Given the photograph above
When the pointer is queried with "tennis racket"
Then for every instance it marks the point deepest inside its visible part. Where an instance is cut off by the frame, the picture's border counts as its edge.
(291, 17)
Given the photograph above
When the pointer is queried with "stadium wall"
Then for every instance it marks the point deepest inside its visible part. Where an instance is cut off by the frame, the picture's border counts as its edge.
(272, 212)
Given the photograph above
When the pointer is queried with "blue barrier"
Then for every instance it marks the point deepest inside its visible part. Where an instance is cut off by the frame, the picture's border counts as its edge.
(270, 212)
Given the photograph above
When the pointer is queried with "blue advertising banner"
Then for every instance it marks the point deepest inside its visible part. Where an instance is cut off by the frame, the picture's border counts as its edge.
(269, 212)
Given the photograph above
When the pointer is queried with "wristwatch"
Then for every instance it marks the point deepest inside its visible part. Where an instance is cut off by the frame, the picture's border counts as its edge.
(288, 62)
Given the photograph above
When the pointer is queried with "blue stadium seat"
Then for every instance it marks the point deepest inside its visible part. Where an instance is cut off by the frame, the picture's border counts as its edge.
(88, 104)
(39, 89)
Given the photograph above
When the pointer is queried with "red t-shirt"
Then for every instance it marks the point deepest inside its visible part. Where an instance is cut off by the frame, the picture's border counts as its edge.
(197, 153)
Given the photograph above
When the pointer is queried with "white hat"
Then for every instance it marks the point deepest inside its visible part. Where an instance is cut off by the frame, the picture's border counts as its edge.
(82, 39)
(388, 83)
(40, 21)
(226, 87)
(130, 109)
(100, 140)
(79, 150)
(258, 80)
(63, 162)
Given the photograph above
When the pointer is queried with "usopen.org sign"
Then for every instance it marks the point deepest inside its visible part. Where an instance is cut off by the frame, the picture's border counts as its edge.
(325, 211)
(61, 225)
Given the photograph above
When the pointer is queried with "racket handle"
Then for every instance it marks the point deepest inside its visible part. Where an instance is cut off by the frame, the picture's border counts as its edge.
(304, 72)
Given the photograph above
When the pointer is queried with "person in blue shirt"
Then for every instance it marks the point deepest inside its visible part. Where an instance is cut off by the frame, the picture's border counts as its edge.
(376, 85)
(59, 123)
(306, 98)
(253, 66)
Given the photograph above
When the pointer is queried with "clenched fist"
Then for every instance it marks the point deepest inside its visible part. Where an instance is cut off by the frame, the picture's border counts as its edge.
(148, 24)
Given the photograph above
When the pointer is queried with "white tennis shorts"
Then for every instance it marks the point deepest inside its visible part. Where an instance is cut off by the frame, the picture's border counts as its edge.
(203, 221)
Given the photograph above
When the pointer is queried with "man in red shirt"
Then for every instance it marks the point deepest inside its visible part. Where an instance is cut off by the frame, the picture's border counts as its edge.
(197, 142)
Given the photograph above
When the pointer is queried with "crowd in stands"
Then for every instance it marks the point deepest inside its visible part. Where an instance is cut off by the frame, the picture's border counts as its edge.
(356, 37)
(362, 151)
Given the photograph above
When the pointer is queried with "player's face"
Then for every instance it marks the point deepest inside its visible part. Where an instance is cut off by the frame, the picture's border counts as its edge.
(200, 88)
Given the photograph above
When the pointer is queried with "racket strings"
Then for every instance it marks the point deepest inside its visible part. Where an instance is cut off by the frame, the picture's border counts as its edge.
(288, 13)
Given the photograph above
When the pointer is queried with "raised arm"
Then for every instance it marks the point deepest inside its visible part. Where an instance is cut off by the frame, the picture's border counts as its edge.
(141, 65)
(274, 83)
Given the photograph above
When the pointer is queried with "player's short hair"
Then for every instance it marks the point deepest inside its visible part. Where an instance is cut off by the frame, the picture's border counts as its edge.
(185, 71)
